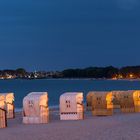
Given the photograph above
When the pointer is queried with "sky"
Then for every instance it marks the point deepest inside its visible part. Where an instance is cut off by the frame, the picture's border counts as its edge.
(60, 34)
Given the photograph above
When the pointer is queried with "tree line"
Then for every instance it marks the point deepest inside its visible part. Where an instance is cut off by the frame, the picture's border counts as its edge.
(103, 72)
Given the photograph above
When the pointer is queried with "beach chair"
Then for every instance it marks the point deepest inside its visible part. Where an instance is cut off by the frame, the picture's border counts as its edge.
(35, 108)
(71, 106)
(127, 102)
(3, 119)
(9, 105)
(102, 104)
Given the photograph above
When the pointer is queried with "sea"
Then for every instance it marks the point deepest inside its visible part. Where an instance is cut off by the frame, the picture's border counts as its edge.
(57, 87)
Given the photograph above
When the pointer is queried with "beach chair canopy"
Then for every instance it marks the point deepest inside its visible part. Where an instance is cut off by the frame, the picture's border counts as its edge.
(99, 100)
(2, 101)
(9, 97)
(127, 102)
(70, 101)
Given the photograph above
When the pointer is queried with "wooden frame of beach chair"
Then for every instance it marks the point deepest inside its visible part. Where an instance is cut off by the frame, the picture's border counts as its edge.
(127, 102)
(102, 104)
(3, 118)
(71, 106)
(35, 108)
(136, 98)
(89, 101)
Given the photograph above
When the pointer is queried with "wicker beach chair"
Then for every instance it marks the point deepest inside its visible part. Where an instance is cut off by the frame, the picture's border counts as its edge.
(102, 104)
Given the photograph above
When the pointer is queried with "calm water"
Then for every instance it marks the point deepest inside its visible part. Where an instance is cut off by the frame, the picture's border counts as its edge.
(56, 87)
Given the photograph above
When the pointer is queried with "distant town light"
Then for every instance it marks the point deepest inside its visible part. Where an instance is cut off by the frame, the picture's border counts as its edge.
(131, 75)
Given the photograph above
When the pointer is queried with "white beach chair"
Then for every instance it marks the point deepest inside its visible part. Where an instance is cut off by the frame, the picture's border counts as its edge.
(35, 108)
(71, 106)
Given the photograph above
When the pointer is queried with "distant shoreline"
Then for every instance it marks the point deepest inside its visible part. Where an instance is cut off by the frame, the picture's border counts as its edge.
(107, 73)
(92, 79)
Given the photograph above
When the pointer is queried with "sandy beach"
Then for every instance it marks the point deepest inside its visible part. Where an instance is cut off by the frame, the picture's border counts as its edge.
(117, 127)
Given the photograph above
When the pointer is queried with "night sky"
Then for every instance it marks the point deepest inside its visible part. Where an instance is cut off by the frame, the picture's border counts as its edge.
(59, 34)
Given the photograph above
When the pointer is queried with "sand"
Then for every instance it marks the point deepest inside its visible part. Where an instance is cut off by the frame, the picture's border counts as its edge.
(117, 127)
